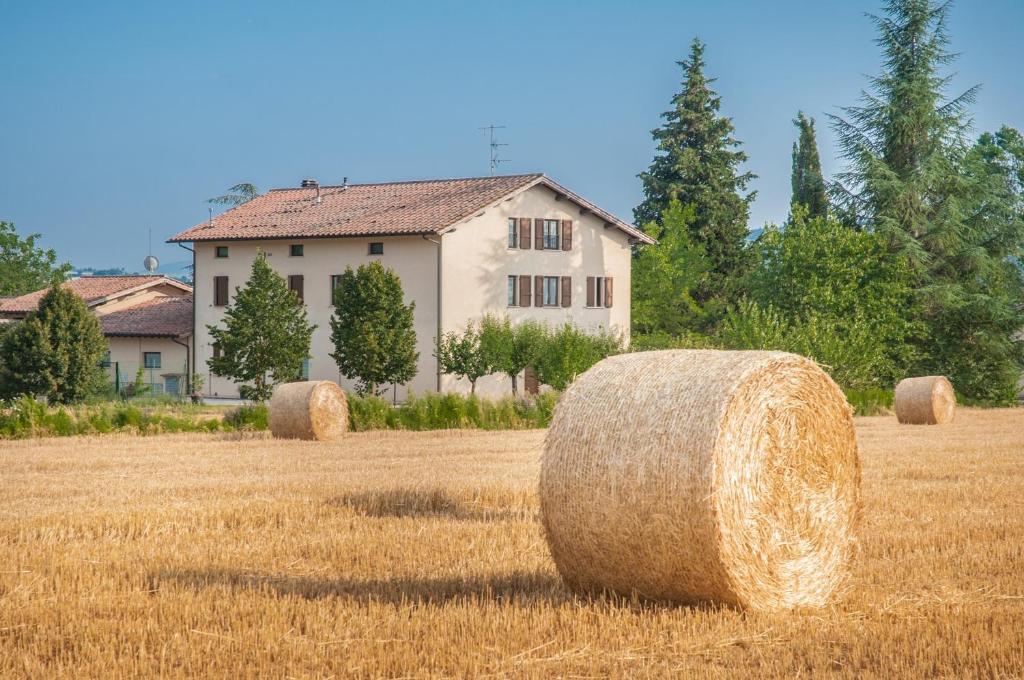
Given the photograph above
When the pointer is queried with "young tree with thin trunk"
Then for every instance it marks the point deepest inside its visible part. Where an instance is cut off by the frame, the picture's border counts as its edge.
(266, 335)
(461, 355)
(372, 328)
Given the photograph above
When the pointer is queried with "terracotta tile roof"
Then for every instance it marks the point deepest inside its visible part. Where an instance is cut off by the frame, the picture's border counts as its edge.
(162, 317)
(92, 289)
(396, 208)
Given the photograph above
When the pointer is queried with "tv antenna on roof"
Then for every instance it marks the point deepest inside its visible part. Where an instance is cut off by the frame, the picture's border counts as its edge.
(150, 262)
(495, 145)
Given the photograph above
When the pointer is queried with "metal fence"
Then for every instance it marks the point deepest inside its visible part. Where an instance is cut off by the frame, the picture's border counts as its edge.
(168, 379)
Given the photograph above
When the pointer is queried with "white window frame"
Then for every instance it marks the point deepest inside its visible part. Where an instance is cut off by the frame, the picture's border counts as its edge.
(551, 283)
(513, 291)
(555, 237)
(598, 292)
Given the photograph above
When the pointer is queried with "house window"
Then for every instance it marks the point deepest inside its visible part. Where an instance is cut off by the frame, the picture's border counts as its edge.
(552, 232)
(105, 360)
(305, 369)
(220, 291)
(599, 291)
(335, 282)
(296, 250)
(216, 351)
(550, 291)
(513, 291)
(221, 251)
(513, 232)
(151, 359)
(377, 248)
(295, 284)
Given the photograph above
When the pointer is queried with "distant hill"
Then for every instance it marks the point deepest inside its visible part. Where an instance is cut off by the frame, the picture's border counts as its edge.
(754, 234)
(179, 269)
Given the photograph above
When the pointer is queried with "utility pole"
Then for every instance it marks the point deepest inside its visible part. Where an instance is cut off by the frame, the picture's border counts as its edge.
(494, 146)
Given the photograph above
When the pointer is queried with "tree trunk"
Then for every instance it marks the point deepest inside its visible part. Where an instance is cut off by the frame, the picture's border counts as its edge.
(515, 382)
(472, 386)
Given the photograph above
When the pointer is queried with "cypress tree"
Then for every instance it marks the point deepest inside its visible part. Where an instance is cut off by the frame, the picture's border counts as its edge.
(808, 184)
(941, 209)
(698, 164)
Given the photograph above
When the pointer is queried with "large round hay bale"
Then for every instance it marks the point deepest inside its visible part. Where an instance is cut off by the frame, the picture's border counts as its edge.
(703, 476)
(928, 400)
(308, 410)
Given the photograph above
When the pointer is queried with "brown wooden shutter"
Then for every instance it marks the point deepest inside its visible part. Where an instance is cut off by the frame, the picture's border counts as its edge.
(538, 291)
(525, 291)
(566, 234)
(531, 384)
(590, 291)
(220, 291)
(607, 291)
(525, 242)
(295, 283)
(538, 234)
(566, 291)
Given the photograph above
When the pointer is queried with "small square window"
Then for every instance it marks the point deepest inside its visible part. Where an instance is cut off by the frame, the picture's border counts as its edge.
(151, 359)
(105, 360)
(296, 250)
(221, 251)
(377, 248)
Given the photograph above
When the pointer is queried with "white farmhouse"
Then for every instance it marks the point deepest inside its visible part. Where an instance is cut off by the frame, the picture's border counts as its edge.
(521, 246)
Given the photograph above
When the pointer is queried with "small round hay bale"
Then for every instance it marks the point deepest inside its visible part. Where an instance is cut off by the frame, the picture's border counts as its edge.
(308, 410)
(703, 476)
(928, 400)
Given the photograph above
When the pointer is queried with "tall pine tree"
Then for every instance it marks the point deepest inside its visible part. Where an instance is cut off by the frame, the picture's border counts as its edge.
(698, 164)
(941, 209)
(808, 184)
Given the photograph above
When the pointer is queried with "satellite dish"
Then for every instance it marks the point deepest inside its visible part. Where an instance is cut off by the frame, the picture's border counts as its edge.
(150, 263)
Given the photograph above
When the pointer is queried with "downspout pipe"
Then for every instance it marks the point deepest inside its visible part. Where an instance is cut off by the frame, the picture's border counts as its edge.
(190, 354)
(440, 326)
(188, 365)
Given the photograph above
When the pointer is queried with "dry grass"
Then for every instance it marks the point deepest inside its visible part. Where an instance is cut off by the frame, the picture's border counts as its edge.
(399, 554)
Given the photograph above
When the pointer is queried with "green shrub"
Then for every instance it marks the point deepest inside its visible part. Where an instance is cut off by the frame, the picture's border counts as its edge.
(869, 401)
(248, 417)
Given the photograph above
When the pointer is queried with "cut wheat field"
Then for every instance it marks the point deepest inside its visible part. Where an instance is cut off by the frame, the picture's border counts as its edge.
(421, 555)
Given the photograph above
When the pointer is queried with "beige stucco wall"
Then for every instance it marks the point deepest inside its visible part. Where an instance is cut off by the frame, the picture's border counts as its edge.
(412, 258)
(476, 264)
(127, 354)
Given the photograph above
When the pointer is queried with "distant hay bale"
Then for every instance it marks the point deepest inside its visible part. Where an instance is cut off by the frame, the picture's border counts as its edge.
(703, 476)
(308, 410)
(928, 400)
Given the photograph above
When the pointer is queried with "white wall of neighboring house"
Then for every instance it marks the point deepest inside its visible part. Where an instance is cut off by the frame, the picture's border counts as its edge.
(476, 262)
(127, 355)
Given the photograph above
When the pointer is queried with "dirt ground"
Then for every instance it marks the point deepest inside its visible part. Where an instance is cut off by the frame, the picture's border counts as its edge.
(420, 554)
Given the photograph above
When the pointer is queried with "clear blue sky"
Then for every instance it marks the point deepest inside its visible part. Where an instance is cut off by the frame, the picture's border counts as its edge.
(116, 117)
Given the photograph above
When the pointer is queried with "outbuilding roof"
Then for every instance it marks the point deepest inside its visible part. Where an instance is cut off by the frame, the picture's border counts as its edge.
(93, 289)
(387, 209)
(166, 316)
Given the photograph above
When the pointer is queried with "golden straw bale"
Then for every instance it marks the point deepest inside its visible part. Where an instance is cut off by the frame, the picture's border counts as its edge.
(928, 400)
(308, 410)
(703, 476)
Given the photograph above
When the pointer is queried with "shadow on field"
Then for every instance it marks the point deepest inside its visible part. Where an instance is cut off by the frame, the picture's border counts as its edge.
(519, 588)
(428, 502)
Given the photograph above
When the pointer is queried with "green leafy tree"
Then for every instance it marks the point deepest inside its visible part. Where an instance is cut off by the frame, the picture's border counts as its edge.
(568, 351)
(24, 265)
(509, 348)
(461, 355)
(55, 352)
(237, 195)
(698, 164)
(265, 335)
(940, 206)
(666, 277)
(807, 181)
(372, 328)
(820, 275)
